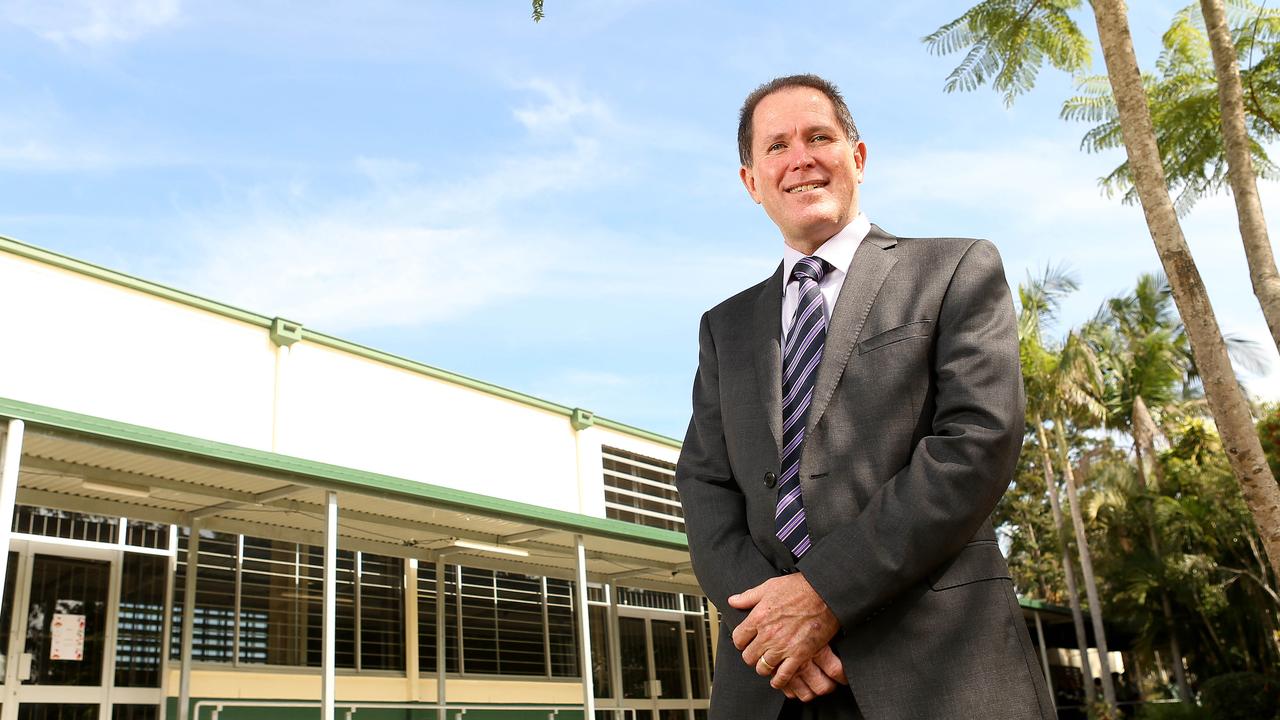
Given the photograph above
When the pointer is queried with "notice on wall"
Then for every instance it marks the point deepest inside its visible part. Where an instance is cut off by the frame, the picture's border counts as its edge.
(66, 637)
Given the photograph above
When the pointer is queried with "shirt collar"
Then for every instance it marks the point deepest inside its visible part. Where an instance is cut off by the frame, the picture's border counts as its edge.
(837, 250)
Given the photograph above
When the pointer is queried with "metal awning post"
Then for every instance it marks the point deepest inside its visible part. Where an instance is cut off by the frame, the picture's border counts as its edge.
(188, 619)
(1044, 658)
(330, 604)
(412, 663)
(612, 632)
(10, 458)
(584, 629)
(441, 714)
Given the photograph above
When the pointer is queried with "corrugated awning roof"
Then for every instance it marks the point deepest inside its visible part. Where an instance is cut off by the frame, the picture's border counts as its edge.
(86, 464)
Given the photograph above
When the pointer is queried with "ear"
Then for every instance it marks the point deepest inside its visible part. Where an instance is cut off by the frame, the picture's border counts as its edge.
(749, 182)
(860, 158)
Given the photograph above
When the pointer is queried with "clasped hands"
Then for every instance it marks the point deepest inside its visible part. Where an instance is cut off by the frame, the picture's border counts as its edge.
(787, 634)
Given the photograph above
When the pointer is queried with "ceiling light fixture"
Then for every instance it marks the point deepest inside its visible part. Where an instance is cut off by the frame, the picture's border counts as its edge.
(489, 547)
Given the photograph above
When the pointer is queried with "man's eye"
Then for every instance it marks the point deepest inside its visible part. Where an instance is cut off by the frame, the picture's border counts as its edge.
(821, 138)
(776, 146)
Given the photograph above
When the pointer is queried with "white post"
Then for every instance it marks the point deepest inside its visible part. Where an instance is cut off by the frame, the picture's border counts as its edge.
(440, 636)
(171, 569)
(411, 660)
(584, 631)
(1044, 657)
(328, 662)
(615, 641)
(188, 620)
(10, 458)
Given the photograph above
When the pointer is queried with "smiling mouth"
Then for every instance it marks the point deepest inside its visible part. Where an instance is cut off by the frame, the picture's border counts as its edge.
(806, 188)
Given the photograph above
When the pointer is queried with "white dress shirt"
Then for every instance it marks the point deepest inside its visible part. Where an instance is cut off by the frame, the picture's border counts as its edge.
(838, 251)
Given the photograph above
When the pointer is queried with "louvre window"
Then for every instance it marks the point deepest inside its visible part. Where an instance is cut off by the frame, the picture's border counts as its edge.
(511, 624)
(641, 490)
(279, 620)
(64, 524)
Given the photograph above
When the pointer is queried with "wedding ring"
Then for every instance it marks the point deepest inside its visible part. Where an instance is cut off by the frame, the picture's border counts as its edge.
(769, 665)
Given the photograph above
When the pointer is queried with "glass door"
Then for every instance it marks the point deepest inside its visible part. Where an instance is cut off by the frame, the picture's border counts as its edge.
(57, 656)
(655, 667)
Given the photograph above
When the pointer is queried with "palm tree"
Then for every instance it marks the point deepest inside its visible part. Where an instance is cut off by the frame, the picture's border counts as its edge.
(1144, 347)
(1240, 171)
(1059, 381)
(1008, 41)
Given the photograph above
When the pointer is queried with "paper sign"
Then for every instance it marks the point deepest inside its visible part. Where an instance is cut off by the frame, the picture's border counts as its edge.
(67, 637)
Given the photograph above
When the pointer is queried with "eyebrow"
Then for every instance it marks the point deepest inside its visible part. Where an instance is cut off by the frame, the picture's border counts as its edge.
(807, 131)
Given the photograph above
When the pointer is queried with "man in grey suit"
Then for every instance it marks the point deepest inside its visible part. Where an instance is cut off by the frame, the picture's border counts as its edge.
(856, 417)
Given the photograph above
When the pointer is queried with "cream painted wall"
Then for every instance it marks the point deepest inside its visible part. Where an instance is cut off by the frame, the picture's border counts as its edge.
(272, 685)
(75, 343)
(347, 410)
(100, 349)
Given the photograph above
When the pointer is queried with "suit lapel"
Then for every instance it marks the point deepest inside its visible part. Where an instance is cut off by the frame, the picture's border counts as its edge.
(870, 266)
(766, 334)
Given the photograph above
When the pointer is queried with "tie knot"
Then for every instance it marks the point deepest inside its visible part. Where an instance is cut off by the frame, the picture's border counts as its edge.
(810, 268)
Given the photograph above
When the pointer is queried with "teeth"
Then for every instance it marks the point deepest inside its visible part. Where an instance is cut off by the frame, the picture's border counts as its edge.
(804, 188)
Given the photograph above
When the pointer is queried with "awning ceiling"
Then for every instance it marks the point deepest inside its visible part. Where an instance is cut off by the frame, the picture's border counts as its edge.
(76, 471)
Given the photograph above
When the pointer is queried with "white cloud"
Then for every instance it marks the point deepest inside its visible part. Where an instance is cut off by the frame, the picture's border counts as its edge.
(406, 250)
(335, 272)
(562, 108)
(93, 23)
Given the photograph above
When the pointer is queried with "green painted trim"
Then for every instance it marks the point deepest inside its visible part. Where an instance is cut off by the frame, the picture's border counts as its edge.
(48, 257)
(285, 332)
(582, 419)
(65, 262)
(341, 478)
(1032, 604)
(633, 430)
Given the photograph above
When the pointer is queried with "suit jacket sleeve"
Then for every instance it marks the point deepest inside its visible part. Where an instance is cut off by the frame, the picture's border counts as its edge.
(928, 511)
(725, 558)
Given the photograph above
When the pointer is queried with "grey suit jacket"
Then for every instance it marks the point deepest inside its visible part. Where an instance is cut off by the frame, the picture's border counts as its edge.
(913, 435)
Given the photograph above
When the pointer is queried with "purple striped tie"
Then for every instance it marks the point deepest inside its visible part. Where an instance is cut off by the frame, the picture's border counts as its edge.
(800, 357)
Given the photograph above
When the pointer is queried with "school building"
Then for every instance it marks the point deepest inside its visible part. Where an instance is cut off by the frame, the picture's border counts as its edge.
(212, 514)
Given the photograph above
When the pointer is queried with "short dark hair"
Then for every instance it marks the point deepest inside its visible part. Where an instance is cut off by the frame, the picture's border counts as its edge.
(810, 81)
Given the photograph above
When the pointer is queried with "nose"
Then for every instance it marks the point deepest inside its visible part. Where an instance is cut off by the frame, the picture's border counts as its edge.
(801, 158)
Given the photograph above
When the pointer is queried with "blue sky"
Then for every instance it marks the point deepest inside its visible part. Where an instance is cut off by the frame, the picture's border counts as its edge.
(545, 206)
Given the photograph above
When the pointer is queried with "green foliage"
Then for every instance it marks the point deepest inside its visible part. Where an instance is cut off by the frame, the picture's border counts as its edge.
(1210, 563)
(1241, 696)
(1188, 537)
(538, 15)
(1269, 434)
(1172, 711)
(1008, 41)
(1183, 97)
(1023, 517)
(1144, 351)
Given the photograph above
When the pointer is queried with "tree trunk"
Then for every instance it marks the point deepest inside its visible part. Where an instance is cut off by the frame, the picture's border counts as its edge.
(1227, 403)
(1240, 171)
(1151, 475)
(1144, 444)
(1086, 567)
(1068, 567)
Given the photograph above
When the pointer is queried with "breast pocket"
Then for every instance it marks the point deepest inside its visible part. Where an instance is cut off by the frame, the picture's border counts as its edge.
(917, 329)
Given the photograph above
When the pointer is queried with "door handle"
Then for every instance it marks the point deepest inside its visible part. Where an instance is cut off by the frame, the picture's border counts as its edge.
(24, 666)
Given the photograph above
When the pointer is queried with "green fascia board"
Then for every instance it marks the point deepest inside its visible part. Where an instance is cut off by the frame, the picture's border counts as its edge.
(65, 262)
(335, 477)
(1041, 605)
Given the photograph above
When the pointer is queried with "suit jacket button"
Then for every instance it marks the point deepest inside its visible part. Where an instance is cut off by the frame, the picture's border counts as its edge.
(770, 480)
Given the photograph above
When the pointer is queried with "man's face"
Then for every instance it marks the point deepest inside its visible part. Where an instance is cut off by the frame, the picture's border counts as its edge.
(804, 170)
